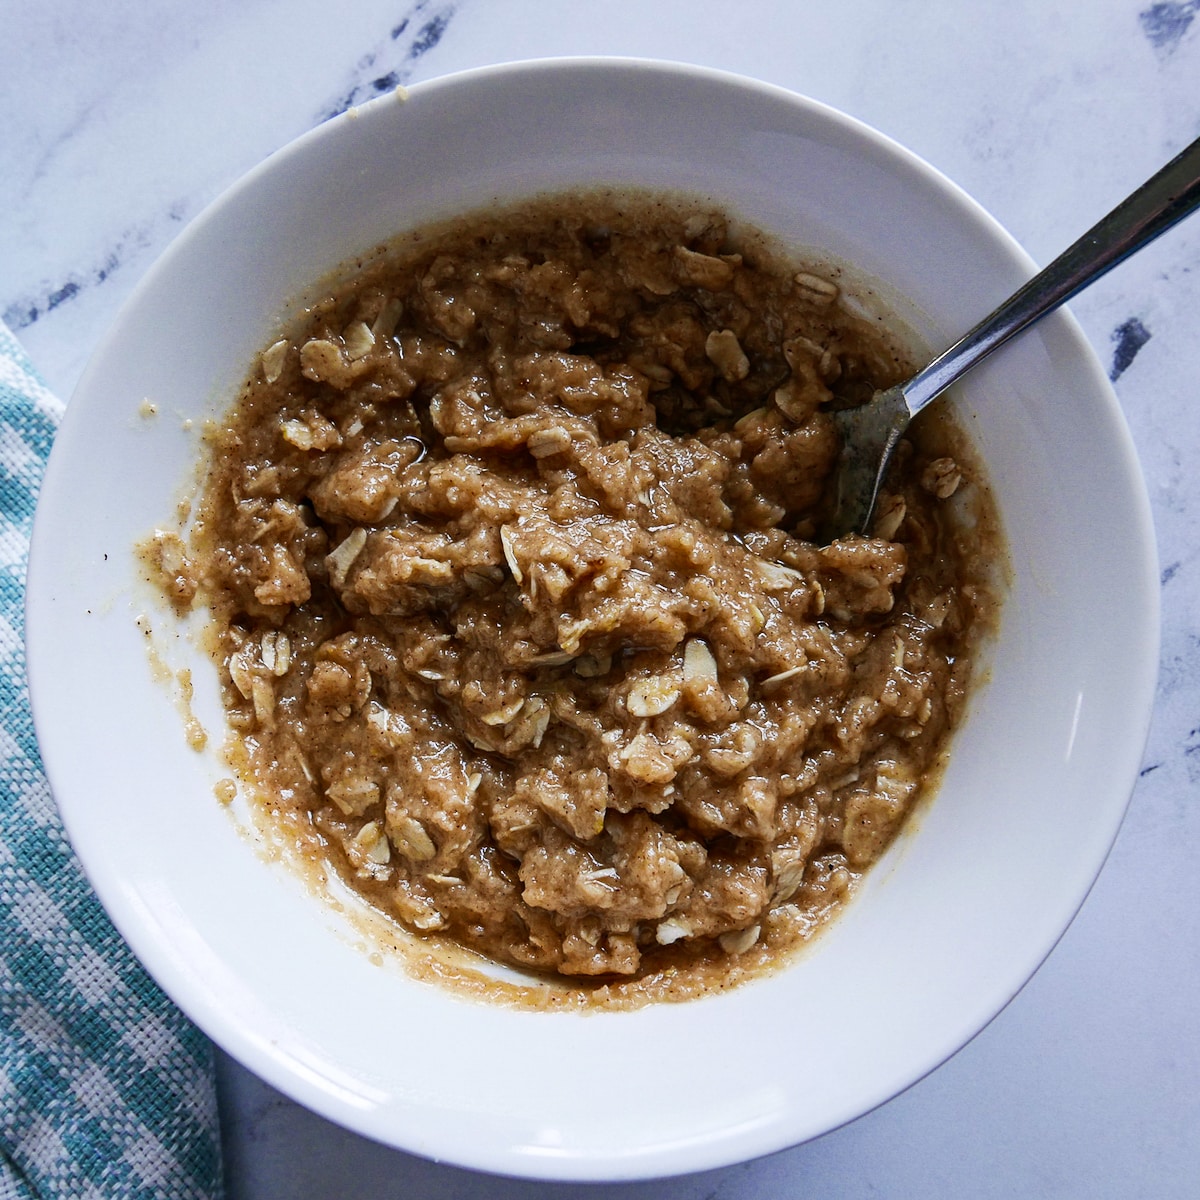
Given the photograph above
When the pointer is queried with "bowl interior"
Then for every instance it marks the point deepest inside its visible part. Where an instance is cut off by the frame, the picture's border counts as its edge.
(950, 924)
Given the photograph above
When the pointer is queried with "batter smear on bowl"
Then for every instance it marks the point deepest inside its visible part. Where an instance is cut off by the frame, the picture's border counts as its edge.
(519, 607)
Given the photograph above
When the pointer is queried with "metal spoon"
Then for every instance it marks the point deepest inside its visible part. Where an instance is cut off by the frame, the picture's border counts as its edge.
(871, 432)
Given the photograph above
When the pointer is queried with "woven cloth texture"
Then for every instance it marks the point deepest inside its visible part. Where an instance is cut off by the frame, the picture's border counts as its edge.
(106, 1090)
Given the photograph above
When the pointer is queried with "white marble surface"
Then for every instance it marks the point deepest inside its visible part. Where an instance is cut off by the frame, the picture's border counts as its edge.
(119, 121)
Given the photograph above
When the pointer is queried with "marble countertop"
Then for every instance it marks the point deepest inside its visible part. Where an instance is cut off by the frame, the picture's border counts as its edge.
(120, 121)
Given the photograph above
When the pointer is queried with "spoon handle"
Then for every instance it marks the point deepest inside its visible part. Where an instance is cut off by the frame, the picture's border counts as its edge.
(1158, 204)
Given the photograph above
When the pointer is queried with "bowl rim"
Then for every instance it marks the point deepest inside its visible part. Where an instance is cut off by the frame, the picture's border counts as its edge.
(246, 1048)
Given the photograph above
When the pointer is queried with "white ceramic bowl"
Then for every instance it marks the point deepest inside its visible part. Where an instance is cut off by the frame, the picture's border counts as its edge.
(951, 923)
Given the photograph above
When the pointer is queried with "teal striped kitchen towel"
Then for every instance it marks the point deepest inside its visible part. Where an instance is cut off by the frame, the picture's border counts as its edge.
(106, 1090)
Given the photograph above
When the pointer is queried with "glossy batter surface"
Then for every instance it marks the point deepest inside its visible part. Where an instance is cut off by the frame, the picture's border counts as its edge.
(510, 547)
